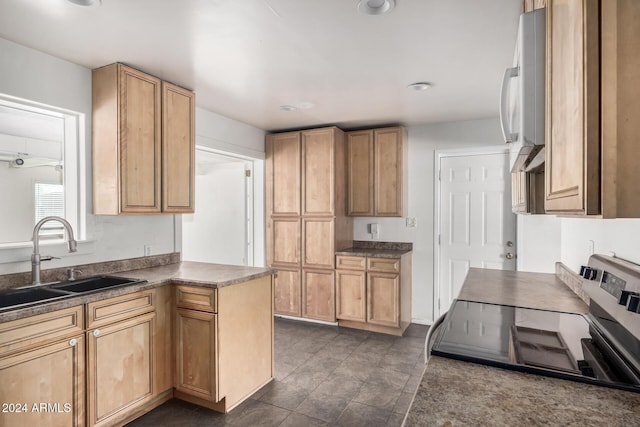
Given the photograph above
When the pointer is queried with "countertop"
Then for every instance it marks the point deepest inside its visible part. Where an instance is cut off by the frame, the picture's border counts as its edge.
(456, 393)
(191, 273)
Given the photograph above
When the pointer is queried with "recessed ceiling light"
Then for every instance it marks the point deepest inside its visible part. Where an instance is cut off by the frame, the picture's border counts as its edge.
(419, 86)
(376, 7)
(287, 107)
(86, 2)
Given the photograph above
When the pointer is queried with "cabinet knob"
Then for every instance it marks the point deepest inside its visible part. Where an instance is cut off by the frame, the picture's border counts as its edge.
(73, 342)
(96, 332)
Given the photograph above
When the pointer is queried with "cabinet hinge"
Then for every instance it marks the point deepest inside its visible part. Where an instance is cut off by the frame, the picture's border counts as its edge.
(247, 173)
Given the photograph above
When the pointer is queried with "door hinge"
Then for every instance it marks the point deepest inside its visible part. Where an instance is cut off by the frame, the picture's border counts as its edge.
(440, 175)
(439, 241)
(247, 173)
(438, 304)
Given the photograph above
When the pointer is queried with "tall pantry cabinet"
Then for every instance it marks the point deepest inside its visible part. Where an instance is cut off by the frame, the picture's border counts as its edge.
(306, 172)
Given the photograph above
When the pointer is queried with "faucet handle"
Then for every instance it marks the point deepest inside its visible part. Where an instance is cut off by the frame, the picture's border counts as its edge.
(48, 257)
(71, 273)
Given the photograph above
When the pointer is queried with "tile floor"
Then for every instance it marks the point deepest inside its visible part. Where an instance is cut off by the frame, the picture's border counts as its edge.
(325, 376)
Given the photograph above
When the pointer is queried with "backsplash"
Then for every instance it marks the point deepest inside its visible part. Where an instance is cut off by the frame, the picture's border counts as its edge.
(17, 280)
(368, 244)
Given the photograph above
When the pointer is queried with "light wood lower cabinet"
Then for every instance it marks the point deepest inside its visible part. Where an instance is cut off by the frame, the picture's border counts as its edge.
(318, 295)
(196, 354)
(351, 295)
(120, 372)
(374, 293)
(42, 370)
(224, 357)
(288, 293)
(44, 386)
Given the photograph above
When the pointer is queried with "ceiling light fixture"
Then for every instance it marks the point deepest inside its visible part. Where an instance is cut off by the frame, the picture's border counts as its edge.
(376, 7)
(419, 86)
(287, 107)
(86, 2)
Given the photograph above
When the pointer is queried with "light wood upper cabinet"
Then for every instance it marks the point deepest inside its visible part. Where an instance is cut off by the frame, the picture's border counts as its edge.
(360, 173)
(318, 176)
(283, 173)
(572, 160)
(593, 100)
(377, 172)
(178, 149)
(143, 143)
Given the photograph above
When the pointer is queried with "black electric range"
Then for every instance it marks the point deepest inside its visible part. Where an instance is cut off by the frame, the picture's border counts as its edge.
(601, 347)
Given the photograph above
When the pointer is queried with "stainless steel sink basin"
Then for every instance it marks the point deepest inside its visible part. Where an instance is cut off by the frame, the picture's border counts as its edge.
(92, 284)
(18, 298)
(22, 297)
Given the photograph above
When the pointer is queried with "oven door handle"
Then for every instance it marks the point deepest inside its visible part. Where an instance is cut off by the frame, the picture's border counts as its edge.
(430, 332)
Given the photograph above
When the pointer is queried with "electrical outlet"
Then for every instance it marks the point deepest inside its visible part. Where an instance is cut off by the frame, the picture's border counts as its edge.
(147, 250)
(412, 222)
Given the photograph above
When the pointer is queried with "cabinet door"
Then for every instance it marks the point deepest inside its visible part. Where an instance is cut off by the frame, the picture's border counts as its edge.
(389, 185)
(120, 369)
(139, 141)
(283, 174)
(287, 290)
(283, 242)
(319, 243)
(178, 149)
(52, 376)
(350, 295)
(572, 155)
(360, 173)
(318, 295)
(196, 354)
(383, 299)
(318, 172)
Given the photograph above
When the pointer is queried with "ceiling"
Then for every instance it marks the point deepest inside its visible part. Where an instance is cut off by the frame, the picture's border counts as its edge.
(246, 58)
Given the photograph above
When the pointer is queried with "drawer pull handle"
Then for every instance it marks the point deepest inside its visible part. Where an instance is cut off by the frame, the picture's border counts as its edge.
(73, 342)
(96, 332)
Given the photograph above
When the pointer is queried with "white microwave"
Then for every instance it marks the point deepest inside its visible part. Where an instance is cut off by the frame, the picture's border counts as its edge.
(523, 92)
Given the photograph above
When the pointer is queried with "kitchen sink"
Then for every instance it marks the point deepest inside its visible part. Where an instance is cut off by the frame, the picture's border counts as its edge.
(22, 297)
(92, 284)
(18, 298)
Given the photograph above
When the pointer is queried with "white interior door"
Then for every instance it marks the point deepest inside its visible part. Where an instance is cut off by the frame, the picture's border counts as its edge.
(477, 227)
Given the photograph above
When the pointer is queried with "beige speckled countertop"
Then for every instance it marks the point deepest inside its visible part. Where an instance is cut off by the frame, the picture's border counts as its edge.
(192, 273)
(456, 393)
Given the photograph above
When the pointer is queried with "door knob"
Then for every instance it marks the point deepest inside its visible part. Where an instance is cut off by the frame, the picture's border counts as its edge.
(509, 255)
(509, 243)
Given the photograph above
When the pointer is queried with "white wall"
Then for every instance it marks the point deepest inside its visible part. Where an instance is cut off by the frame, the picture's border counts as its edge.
(423, 141)
(609, 235)
(226, 135)
(539, 243)
(215, 232)
(33, 75)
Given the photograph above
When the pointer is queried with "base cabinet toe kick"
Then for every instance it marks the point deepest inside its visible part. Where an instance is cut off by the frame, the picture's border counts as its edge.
(107, 362)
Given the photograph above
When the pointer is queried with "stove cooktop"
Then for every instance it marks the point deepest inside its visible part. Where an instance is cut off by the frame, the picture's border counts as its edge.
(551, 343)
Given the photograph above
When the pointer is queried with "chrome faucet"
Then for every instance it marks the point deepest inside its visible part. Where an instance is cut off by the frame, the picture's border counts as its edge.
(35, 257)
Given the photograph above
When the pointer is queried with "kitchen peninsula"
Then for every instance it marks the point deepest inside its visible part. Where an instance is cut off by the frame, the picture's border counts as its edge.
(195, 331)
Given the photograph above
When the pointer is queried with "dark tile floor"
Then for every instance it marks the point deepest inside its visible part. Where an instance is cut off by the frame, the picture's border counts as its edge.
(325, 375)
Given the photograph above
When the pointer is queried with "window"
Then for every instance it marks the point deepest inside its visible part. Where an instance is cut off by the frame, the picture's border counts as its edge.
(49, 201)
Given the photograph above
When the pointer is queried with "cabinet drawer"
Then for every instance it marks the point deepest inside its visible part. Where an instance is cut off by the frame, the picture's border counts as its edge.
(111, 310)
(35, 330)
(391, 265)
(350, 262)
(196, 298)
